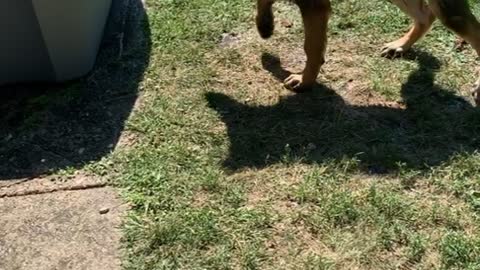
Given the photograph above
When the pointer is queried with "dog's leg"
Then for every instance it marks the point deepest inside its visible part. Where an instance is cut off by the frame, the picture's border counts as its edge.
(456, 15)
(315, 16)
(264, 19)
(422, 17)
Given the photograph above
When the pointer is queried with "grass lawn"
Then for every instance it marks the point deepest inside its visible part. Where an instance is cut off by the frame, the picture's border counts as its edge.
(377, 168)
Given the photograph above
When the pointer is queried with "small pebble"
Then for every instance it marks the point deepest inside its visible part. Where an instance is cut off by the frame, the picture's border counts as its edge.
(103, 211)
(286, 23)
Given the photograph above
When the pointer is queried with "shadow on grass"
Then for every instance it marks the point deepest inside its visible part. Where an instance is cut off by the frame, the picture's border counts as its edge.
(320, 125)
(45, 127)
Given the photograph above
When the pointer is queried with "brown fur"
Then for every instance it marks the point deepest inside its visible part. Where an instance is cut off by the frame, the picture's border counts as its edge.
(455, 14)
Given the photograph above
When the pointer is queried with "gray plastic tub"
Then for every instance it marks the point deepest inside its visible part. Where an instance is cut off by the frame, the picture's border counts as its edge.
(49, 40)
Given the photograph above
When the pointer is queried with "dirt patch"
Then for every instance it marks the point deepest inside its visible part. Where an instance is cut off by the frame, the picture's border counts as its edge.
(127, 140)
(201, 199)
(245, 58)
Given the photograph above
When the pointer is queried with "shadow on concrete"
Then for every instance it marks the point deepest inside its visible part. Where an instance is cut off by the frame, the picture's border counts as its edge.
(51, 127)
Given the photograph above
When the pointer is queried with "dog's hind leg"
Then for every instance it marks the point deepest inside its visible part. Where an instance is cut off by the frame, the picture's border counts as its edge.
(422, 18)
(315, 15)
(456, 15)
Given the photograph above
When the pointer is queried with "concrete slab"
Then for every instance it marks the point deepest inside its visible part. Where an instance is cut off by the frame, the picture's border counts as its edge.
(61, 230)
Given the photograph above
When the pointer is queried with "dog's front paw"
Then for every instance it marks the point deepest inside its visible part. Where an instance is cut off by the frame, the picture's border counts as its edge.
(297, 83)
(394, 49)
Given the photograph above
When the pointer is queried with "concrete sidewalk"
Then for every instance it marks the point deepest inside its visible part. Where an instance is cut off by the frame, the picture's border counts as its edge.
(61, 230)
(74, 225)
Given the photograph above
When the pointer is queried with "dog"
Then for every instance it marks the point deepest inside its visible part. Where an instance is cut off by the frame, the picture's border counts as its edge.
(454, 14)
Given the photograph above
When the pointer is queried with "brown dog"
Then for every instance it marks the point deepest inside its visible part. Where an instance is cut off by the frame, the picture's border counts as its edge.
(455, 14)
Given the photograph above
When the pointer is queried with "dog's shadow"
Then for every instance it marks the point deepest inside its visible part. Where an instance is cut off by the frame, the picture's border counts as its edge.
(313, 127)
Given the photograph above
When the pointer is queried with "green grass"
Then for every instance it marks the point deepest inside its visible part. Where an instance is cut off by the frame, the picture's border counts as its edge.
(230, 171)
(233, 172)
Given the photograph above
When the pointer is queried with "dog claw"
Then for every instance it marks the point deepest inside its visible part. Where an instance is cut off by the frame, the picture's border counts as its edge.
(392, 52)
(295, 83)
